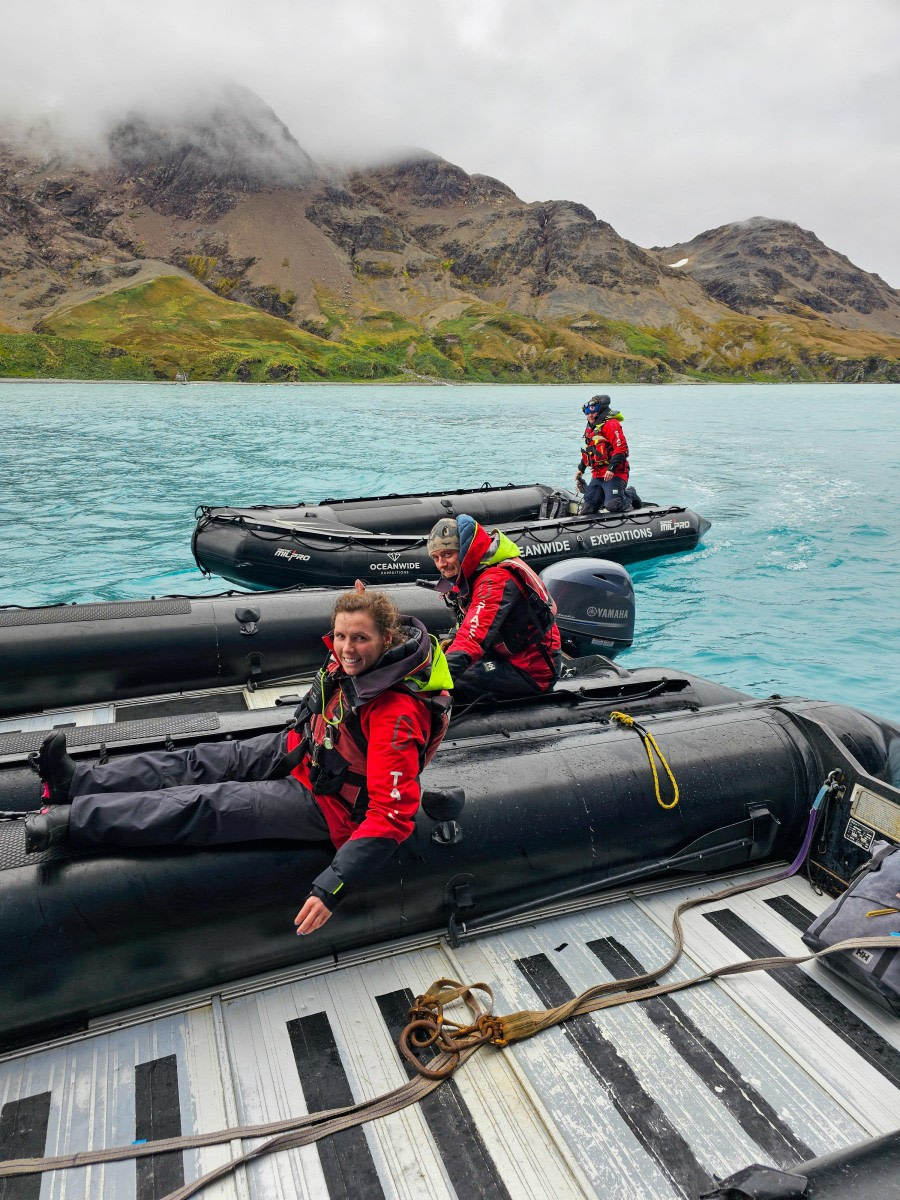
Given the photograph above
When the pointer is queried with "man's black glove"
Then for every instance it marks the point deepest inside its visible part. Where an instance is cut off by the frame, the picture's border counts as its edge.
(458, 661)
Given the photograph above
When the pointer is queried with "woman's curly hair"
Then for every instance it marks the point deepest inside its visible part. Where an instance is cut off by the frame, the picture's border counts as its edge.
(379, 606)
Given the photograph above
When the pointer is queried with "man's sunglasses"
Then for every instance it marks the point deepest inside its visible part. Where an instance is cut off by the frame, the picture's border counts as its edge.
(590, 408)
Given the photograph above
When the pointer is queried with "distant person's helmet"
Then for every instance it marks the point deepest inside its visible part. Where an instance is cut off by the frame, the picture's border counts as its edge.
(596, 404)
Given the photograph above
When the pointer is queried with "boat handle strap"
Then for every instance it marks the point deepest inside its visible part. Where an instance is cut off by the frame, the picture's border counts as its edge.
(649, 741)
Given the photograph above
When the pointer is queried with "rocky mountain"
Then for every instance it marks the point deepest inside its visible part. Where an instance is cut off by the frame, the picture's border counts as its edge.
(225, 200)
(762, 266)
(425, 220)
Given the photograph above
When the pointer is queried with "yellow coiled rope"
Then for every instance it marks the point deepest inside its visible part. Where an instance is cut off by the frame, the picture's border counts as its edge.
(650, 741)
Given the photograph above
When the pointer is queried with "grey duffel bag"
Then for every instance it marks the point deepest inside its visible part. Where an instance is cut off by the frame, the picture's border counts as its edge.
(869, 907)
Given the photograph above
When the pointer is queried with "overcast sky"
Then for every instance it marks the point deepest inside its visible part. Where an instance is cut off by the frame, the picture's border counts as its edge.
(665, 117)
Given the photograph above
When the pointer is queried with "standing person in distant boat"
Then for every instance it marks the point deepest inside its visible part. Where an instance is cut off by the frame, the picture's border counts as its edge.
(507, 644)
(606, 454)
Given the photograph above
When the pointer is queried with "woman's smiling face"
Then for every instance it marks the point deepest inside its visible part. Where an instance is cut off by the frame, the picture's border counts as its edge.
(358, 642)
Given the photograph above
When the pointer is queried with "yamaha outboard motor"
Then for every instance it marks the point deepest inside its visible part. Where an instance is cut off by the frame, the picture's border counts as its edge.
(595, 599)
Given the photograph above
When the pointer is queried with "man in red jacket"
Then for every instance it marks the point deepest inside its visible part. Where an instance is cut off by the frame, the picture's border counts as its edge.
(605, 453)
(507, 645)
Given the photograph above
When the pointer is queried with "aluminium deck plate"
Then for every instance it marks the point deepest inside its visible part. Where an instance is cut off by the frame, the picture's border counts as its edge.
(651, 1100)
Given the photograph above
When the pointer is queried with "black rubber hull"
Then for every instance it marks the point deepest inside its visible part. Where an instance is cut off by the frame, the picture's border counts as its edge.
(558, 806)
(250, 548)
(61, 656)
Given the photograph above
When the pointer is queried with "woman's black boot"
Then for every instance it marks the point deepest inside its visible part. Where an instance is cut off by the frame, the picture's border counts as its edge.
(55, 767)
(46, 829)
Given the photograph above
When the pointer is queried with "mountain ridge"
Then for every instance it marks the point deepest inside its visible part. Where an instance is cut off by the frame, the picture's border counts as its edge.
(227, 197)
(785, 268)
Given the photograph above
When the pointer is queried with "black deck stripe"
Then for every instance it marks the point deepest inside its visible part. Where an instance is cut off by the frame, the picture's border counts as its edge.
(157, 1115)
(23, 1134)
(752, 1111)
(467, 1160)
(786, 906)
(868, 1044)
(346, 1159)
(650, 1125)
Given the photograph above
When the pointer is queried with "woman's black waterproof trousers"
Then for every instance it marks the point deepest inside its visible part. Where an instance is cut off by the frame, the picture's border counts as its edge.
(210, 794)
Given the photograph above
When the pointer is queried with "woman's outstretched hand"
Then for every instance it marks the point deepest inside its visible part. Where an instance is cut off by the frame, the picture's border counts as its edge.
(312, 916)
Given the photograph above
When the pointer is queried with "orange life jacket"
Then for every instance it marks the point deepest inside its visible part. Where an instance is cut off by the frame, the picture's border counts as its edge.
(596, 450)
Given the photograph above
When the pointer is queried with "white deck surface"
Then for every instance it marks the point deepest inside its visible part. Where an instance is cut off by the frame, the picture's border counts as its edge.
(644, 1101)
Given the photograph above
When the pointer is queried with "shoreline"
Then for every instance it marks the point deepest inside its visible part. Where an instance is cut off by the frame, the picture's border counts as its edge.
(447, 383)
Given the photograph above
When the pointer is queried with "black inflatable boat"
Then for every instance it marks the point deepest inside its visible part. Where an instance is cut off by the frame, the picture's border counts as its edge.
(382, 538)
(557, 799)
(65, 655)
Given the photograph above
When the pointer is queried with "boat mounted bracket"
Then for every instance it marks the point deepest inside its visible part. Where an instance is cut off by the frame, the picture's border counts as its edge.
(764, 826)
(254, 675)
(248, 619)
(447, 833)
(444, 807)
(459, 898)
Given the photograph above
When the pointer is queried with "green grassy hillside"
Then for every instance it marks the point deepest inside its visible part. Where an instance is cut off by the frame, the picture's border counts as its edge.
(41, 356)
(170, 323)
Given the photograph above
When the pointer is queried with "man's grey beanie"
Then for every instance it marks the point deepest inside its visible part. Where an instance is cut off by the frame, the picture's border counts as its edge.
(444, 535)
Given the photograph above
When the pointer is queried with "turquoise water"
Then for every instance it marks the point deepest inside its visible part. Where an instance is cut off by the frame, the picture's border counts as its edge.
(795, 589)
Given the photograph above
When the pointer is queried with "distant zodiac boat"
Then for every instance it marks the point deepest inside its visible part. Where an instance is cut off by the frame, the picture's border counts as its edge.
(382, 538)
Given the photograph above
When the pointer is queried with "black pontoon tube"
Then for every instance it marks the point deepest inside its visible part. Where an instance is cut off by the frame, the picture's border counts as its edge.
(415, 512)
(58, 656)
(592, 688)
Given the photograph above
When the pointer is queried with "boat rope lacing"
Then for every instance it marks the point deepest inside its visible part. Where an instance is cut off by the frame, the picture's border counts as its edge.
(649, 741)
(333, 541)
(453, 1042)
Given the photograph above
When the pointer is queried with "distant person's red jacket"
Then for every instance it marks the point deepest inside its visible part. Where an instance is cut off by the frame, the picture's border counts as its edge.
(605, 449)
